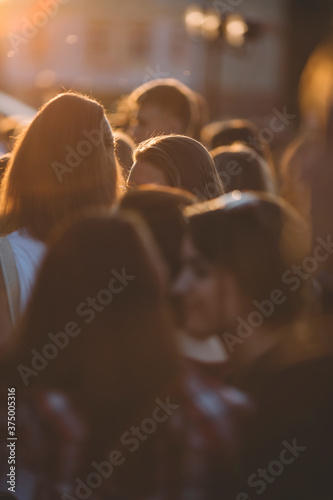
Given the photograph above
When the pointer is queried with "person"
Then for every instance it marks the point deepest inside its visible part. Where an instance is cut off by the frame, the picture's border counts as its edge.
(307, 180)
(242, 278)
(176, 161)
(62, 163)
(161, 209)
(234, 282)
(163, 106)
(115, 361)
(299, 158)
(229, 132)
(241, 168)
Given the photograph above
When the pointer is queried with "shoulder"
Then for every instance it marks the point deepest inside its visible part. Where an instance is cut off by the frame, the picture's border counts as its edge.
(23, 239)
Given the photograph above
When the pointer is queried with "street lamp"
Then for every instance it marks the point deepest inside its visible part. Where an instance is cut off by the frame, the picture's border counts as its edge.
(202, 23)
(235, 30)
(194, 19)
(207, 23)
(211, 26)
(218, 32)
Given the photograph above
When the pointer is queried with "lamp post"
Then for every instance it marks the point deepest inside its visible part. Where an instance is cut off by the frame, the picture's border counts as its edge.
(204, 23)
(218, 29)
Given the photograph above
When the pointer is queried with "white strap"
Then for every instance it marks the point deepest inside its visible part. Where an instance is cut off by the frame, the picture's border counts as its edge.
(10, 277)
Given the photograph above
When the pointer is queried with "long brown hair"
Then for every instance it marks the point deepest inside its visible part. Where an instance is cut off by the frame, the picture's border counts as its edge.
(123, 351)
(112, 360)
(62, 162)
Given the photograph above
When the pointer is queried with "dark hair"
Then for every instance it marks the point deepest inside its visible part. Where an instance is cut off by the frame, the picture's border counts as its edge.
(228, 132)
(174, 97)
(257, 237)
(161, 208)
(63, 162)
(123, 353)
(186, 163)
(242, 168)
(124, 147)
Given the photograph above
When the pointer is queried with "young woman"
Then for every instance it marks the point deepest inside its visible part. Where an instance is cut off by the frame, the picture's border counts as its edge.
(97, 337)
(61, 164)
(176, 161)
(247, 277)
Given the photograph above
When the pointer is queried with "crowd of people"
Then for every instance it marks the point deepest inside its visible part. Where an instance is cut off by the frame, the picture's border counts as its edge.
(166, 299)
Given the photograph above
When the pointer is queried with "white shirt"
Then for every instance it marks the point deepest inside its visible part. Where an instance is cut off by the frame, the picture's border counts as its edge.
(209, 350)
(28, 254)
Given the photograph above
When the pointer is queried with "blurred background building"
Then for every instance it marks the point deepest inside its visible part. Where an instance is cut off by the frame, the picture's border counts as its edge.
(108, 47)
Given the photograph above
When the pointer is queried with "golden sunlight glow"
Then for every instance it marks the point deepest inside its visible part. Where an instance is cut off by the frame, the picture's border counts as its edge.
(316, 85)
(211, 26)
(236, 29)
(45, 78)
(194, 19)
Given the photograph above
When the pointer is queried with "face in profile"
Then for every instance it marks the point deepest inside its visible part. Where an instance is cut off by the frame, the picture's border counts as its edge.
(144, 172)
(152, 120)
(207, 294)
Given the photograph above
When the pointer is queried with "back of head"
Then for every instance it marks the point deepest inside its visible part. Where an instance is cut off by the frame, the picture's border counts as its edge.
(63, 162)
(97, 316)
(241, 168)
(228, 132)
(186, 163)
(173, 96)
(161, 208)
(258, 238)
